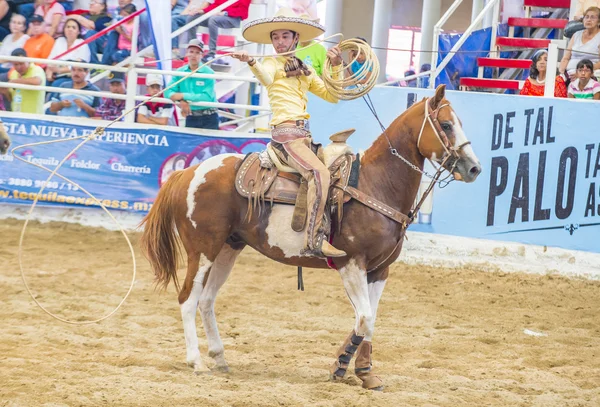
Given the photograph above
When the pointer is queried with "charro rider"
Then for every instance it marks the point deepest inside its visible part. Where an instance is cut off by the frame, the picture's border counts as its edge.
(288, 80)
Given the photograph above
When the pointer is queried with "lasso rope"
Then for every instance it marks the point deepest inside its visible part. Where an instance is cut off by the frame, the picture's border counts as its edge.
(359, 83)
(336, 86)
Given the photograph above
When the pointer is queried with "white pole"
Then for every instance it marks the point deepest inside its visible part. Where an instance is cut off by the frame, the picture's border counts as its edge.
(334, 10)
(475, 10)
(551, 69)
(432, 10)
(132, 74)
(382, 22)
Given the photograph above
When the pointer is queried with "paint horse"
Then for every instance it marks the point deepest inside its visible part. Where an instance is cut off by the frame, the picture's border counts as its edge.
(200, 208)
(4, 139)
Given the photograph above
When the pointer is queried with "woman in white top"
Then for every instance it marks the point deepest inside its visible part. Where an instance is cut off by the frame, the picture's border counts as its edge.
(584, 44)
(71, 38)
(16, 39)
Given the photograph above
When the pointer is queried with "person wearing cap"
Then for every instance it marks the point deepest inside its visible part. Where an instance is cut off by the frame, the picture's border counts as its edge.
(109, 108)
(288, 81)
(69, 104)
(39, 44)
(26, 73)
(195, 90)
(152, 112)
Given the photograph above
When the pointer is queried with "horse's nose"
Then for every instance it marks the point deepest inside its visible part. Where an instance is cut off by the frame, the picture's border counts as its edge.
(475, 170)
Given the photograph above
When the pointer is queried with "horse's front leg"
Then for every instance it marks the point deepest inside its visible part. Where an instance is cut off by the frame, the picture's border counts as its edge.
(363, 365)
(354, 278)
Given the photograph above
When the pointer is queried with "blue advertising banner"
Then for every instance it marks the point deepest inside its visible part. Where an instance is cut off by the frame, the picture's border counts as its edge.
(124, 168)
(541, 164)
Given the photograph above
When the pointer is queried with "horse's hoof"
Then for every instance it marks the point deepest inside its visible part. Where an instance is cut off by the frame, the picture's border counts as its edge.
(222, 369)
(201, 371)
(372, 382)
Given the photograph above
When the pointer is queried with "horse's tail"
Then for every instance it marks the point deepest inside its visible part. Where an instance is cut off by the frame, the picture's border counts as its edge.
(160, 241)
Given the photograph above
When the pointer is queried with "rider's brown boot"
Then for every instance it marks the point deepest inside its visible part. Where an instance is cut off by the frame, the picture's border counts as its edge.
(329, 251)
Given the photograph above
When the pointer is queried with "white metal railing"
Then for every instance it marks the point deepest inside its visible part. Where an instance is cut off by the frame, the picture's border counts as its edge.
(435, 69)
(131, 94)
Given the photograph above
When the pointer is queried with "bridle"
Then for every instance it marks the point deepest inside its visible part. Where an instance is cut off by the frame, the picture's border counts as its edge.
(450, 152)
(449, 159)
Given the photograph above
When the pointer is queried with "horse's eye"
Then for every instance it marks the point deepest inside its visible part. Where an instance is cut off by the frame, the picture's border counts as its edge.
(446, 126)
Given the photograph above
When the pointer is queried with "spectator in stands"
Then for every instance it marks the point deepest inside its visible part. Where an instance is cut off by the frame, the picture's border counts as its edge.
(58, 74)
(230, 17)
(39, 44)
(67, 4)
(584, 87)
(358, 63)
(69, 104)
(96, 20)
(54, 16)
(195, 90)
(26, 8)
(6, 12)
(143, 40)
(125, 32)
(16, 39)
(307, 7)
(26, 73)
(536, 83)
(582, 44)
(423, 81)
(156, 112)
(178, 20)
(109, 108)
(411, 83)
(315, 55)
(583, 5)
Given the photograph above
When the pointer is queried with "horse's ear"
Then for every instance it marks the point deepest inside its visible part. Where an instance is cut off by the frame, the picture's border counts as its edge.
(440, 92)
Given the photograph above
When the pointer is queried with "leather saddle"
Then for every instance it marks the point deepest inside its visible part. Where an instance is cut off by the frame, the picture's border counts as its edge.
(273, 182)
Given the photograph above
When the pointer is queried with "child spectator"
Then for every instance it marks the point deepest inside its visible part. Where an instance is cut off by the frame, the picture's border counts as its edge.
(584, 87)
(54, 16)
(535, 85)
(39, 44)
(156, 112)
(358, 61)
(125, 32)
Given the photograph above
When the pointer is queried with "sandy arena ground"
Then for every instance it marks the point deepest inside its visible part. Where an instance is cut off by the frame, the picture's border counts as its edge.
(444, 337)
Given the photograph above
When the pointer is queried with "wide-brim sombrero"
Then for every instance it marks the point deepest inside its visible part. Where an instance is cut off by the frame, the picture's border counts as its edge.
(259, 31)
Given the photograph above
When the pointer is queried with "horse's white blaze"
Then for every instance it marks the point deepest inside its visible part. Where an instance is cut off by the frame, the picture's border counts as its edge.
(461, 138)
(200, 178)
(188, 315)
(375, 292)
(355, 283)
(280, 234)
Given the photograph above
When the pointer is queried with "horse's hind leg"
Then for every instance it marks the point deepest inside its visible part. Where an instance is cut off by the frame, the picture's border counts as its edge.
(189, 298)
(219, 272)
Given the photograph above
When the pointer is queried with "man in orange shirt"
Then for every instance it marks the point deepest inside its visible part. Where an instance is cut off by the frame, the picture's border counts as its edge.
(39, 44)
